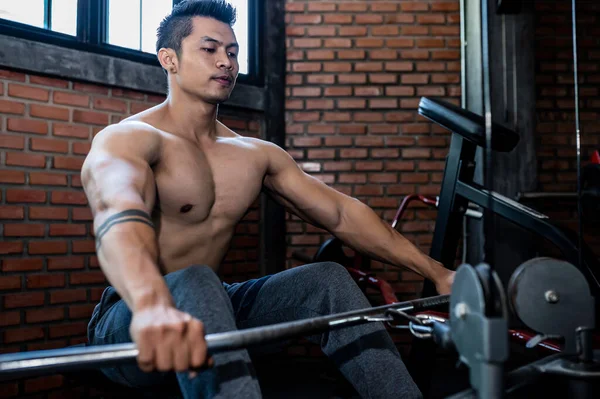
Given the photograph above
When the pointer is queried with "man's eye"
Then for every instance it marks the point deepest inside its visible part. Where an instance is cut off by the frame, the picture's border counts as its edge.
(233, 55)
(209, 50)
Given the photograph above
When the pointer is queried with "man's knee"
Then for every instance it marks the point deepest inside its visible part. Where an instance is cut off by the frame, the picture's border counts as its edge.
(329, 273)
(192, 276)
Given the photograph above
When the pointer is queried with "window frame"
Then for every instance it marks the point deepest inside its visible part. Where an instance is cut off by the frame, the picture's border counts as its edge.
(92, 31)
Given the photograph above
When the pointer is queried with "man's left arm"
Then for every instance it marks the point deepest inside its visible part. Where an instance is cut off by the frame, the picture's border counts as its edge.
(348, 219)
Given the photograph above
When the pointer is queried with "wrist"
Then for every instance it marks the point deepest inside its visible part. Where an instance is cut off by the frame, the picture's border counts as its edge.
(151, 296)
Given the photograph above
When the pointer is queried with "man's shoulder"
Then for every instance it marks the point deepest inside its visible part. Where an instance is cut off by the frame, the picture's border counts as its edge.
(128, 130)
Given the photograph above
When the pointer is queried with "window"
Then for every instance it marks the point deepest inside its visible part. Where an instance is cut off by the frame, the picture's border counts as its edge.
(121, 28)
(56, 15)
(133, 23)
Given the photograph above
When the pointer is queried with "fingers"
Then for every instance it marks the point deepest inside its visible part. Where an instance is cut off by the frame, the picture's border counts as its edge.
(197, 344)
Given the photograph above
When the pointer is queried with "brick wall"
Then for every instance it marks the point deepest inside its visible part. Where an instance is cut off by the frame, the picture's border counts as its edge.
(356, 73)
(50, 278)
(555, 107)
(555, 91)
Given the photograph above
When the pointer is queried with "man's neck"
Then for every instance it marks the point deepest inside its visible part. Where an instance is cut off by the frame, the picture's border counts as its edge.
(192, 118)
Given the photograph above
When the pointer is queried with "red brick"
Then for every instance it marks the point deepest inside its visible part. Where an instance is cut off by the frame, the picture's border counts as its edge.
(338, 91)
(321, 129)
(90, 88)
(382, 78)
(307, 19)
(82, 214)
(445, 55)
(68, 296)
(400, 43)
(96, 277)
(368, 91)
(48, 213)
(12, 75)
(82, 132)
(66, 263)
(337, 67)
(337, 166)
(383, 54)
(110, 104)
(388, 30)
(307, 66)
(416, 153)
(135, 95)
(67, 230)
(43, 383)
(368, 166)
(10, 283)
(353, 31)
(353, 129)
(47, 247)
(383, 7)
(383, 103)
(351, 54)
(307, 43)
(385, 153)
(320, 79)
(44, 315)
(23, 334)
(12, 107)
(351, 103)
(320, 31)
(357, 178)
(352, 7)
(383, 178)
(445, 30)
(49, 145)
(12, 176)
(27, 126)
(9, 319)
(47, 179)
(70, 163)
(368, 19)
(368, 117)
(337, 116)
(368, 66)
(428, 19)
(40, 80)
(354, 153)
(85, 246)
(338, 19)
(22, 300)
(29, 160)
(24, 230)
(31, 93)
(81, 311)
(90, 117)
(306, 91)
(15, 195)
(445, 6)
(96, 293)
(49, 112)
(414, 6)
(45, 280)
(339, 42)
(321, 154)
(15, 142)
(11, 248)
(320, 55)
(415, 30)
(21, 265)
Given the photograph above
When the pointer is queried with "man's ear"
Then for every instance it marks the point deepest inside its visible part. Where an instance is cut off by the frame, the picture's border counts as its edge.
(168, 60)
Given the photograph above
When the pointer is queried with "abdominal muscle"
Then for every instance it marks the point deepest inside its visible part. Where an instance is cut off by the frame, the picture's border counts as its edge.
(181, 246)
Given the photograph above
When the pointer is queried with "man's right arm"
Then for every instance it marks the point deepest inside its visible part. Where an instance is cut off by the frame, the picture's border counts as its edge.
(120, 187)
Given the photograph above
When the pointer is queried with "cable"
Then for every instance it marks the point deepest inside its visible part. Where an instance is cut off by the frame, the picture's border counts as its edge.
(577, 134)
(489, 176)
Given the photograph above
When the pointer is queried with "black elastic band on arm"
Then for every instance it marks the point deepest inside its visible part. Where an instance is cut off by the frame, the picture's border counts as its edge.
(130, 215)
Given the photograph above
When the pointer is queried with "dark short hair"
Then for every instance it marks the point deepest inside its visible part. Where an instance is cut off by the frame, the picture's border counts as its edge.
(178, 24)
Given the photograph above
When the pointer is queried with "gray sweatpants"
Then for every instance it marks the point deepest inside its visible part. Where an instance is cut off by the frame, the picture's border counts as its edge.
(364, 354)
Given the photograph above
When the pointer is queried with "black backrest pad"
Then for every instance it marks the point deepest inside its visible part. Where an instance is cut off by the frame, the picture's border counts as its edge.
(468, 124)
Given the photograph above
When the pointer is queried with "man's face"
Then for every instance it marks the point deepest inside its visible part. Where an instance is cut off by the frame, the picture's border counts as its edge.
(208, 64)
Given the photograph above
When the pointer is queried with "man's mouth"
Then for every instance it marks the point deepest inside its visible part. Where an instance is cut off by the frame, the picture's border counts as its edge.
(224, 80)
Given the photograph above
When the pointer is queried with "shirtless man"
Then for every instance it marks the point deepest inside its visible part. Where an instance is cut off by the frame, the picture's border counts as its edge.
(168, 186)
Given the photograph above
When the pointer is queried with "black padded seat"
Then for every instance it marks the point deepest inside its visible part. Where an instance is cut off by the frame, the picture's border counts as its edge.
(468, 124)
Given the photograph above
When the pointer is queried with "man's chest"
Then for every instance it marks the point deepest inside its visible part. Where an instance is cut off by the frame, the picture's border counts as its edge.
(220, 183)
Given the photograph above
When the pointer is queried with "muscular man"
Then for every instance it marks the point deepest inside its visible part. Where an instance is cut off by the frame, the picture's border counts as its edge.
(168, 186)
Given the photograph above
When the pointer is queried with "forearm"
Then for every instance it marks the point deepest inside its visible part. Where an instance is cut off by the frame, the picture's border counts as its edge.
(128, 257)
(361, 229)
